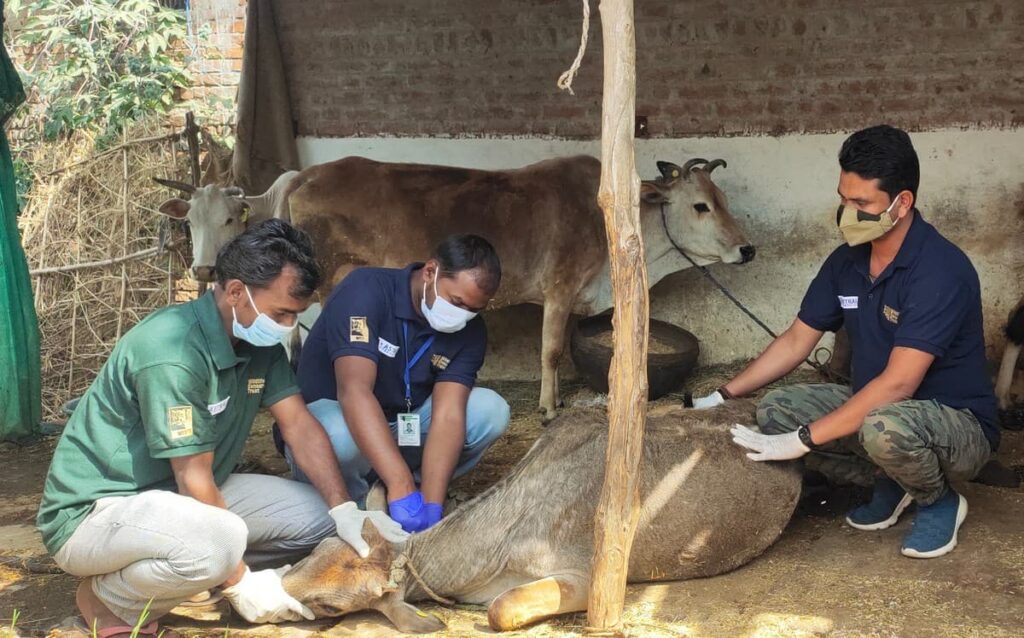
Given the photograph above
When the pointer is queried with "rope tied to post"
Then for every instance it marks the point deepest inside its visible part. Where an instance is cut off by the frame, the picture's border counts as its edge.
(565, 80)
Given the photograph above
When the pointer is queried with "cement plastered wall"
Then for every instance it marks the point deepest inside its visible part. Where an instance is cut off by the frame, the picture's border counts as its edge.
(782, 190)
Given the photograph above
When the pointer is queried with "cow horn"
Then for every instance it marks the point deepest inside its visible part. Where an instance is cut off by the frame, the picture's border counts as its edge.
(688, 166)
(170, 183)
(713, 164)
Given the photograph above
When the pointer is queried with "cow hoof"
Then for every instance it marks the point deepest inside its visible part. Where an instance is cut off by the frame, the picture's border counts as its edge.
(547, 416)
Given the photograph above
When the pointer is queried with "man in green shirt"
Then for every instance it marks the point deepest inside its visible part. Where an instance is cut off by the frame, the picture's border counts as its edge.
(141, 499)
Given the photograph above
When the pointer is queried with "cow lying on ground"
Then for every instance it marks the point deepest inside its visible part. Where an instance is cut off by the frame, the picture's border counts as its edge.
(543, 220)
(523, 547)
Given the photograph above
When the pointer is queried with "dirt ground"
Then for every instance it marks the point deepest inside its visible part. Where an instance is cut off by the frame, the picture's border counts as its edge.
(820, 579)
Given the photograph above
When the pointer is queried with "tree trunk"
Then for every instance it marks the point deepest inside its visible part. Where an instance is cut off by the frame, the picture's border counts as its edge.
(618, 509)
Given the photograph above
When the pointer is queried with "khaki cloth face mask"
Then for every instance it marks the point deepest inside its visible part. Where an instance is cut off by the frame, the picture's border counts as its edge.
(859, 227)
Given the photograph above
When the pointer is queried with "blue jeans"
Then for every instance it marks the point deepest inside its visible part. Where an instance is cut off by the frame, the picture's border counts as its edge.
(487, 417)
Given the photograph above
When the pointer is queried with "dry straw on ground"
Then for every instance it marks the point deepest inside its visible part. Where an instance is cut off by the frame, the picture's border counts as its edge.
(97, 205)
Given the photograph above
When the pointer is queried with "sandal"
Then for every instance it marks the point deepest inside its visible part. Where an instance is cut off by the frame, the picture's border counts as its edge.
(151, 629)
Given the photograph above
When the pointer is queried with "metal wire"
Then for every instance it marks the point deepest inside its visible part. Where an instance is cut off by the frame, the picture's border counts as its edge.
(820, 367)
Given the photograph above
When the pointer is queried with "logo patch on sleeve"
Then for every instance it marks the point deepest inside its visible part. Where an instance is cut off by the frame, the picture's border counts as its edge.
(891, 314)
(256, 385)
(386, 348)
(358, 331)
(848, 303)
(179, 421)
(440, 361)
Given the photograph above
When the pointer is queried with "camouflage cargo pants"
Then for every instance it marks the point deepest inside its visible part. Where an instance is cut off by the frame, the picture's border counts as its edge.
(918, 444)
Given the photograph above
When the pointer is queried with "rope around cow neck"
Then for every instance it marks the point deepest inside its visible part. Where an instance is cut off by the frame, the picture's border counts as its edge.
(401, 566)
(820, 367)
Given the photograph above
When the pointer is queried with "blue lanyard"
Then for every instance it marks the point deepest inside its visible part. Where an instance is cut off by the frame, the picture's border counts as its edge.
(410, 363)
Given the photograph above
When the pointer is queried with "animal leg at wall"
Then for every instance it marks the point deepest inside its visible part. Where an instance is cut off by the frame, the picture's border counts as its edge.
(1012, 417)
(838, 367)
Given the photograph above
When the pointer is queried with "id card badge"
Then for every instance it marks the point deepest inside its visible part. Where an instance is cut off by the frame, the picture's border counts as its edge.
(408, 429)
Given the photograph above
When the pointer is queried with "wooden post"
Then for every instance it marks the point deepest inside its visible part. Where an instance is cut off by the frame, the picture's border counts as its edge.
(74, 298)
(126, 178)
(192, 135)
(618, 509)
(170, 231)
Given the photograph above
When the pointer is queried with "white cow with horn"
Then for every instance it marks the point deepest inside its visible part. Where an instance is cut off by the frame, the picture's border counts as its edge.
(218, 214)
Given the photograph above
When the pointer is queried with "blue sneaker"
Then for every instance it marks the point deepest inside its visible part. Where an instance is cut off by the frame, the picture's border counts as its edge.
(887, 503)
(935, 527)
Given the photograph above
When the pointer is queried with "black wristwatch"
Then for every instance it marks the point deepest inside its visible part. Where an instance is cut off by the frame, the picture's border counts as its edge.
(805, 436)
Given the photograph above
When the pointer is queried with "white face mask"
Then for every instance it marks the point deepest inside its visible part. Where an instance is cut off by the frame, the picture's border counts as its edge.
(444, 316)
(264, 331)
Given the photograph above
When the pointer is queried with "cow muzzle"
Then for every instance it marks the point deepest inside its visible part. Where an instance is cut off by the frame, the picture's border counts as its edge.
(747, 253)
(203, 273)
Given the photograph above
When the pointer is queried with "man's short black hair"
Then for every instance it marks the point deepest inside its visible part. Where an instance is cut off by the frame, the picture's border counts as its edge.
(885, 153)
(470, 252)
(257, 257)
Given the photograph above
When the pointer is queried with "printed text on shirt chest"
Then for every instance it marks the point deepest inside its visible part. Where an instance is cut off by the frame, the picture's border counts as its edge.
(852, 302)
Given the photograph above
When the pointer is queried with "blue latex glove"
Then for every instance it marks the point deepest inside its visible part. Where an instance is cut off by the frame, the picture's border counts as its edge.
(434, 512)
(409, 512)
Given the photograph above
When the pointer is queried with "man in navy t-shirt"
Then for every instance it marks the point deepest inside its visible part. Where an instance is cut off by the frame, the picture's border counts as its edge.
(920, 410)
(389, 369)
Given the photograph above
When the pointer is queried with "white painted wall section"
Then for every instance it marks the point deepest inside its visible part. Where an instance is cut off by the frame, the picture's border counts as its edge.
(783, 192)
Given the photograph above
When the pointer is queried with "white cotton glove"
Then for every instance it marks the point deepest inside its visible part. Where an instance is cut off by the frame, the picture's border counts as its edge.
(349, 519)
(712, 400)
(260, 598)
(769, 447)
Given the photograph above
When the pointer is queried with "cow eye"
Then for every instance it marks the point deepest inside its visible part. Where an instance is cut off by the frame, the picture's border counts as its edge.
(229, 221)
(701, 208)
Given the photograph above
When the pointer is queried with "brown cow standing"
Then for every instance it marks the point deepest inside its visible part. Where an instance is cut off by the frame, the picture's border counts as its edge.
(543, 220)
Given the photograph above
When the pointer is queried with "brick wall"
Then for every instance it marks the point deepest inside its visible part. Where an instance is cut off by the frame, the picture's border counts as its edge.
(486, 67)
(217, 31)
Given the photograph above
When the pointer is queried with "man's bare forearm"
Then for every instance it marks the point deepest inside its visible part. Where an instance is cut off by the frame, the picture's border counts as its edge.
(371, 433)
(441, 454)
(194, 477)
(781, 357)
(849, 417)
(898, 382)
(311, 449)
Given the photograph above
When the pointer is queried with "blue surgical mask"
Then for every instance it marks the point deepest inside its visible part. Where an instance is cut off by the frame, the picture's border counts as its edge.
(444, 316)
(264, 331)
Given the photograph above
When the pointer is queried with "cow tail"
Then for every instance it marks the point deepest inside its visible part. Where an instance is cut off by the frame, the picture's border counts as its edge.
(284, 211)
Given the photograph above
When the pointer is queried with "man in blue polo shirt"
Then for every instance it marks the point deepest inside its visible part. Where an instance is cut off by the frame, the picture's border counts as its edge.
(921, 411)
(389, 369)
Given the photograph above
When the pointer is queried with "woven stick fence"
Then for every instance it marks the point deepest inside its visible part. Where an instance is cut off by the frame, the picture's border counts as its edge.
(91, 233)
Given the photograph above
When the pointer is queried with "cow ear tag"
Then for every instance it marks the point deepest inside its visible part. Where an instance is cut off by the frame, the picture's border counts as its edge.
(245, 214)
(675, 173)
